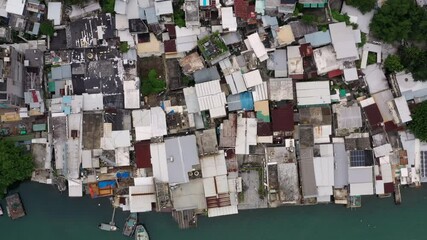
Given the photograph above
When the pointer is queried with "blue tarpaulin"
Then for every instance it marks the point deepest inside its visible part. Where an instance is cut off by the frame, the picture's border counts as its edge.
(122, 175)
(247, 101)
(105, 184)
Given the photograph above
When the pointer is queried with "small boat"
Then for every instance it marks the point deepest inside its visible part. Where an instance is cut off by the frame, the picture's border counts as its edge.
(107, 227)
(141, 233)
(130, 225)
(1, 211)
(14, 206)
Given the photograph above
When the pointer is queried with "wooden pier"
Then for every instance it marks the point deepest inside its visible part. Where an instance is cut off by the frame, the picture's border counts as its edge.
(15, 209)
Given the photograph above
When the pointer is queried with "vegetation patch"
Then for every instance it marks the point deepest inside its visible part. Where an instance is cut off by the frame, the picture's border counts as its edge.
(107, 5)
(46, 28)
(124, 47)
(364, 6)
(399, 20)
(16, 164)
(418, 125)
(152, 84)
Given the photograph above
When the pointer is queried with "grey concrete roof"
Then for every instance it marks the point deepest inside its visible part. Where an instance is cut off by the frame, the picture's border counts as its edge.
(206, 75)
(181, 154)
(308, 181)
(341, 165)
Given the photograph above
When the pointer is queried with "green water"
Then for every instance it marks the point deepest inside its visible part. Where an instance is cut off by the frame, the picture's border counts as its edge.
(53, 216)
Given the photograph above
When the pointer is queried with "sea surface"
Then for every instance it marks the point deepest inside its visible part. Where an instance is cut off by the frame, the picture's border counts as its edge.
(54, 216)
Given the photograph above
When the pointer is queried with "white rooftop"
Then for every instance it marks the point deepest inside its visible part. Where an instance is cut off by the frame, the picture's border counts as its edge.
(228, 19)
(252, 78)
(93, 102)
(343, 40)
(54, 12)
(15, 6)
(313, 93)
(258, 47)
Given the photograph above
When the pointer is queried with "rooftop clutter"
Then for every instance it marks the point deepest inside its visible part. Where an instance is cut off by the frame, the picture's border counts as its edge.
(212, 106)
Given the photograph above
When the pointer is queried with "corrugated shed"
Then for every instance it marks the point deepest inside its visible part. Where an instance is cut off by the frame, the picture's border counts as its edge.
(260, 92)
(313, 93)
(159, 162)
(236, 82)
(191, 100)
(258, 47)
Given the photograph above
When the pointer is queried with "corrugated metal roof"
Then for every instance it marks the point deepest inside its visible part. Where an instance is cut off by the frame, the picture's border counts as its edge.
(313, 93)
(260, 92)
(246, 134)
(142, 154)
(258, 47)
(403, 109)
(191, 100)
(159, 162)
(235, 82)
(318, 39)
(360, 175)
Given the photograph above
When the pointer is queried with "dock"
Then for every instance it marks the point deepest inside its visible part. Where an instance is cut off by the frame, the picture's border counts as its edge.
(15, 209)
(185, 219)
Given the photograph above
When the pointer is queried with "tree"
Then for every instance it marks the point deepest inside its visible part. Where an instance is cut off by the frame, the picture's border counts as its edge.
(399, 20)
(364, 6)
(46, 28)
(108, 6)
(153, 84)
(16, 164)
(414, 60)
(308, 18)
(392, 64)
(124, 47)
(418, 125)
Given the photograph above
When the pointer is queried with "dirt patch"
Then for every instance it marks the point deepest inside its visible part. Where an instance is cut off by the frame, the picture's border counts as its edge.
(146, 64)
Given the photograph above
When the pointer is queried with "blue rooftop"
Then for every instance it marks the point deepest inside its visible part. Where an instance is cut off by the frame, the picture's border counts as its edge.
(319, 38)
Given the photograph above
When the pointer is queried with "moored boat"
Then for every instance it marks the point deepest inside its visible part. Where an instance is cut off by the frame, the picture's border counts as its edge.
(14, 207)
(141, 233)
(130, 225)
(107, 227)
(1, 211)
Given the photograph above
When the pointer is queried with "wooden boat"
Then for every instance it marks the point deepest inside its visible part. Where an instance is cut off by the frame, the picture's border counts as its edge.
(130, 225)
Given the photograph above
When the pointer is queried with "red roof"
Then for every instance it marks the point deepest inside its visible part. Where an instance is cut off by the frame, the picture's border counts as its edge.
(243, 10)
(171, 30)
(374, 115)
(335, 73)
(283, 118)
(306, 50)
(142, 154)
(264, 129)
(170, 46)
(388, 187)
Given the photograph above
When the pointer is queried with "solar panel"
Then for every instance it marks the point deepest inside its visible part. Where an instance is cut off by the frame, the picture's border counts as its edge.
(357, 158)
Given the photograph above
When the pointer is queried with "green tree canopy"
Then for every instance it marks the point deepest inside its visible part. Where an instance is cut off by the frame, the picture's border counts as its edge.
(414, 60)
(46, 28)
(124, 47)
(364, 6)
(152, 84)
(392, 63)
(418, 125)
(399, 20)
(16, 164)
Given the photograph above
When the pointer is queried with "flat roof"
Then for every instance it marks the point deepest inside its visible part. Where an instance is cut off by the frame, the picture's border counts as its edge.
(54, 12)
(181, 153)
(349, 117)
(229, 21)
(313, 93)
(308, 181)
(15, 6)
(252, 78)
(326, 60)
(281, 89)
(343, 41)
